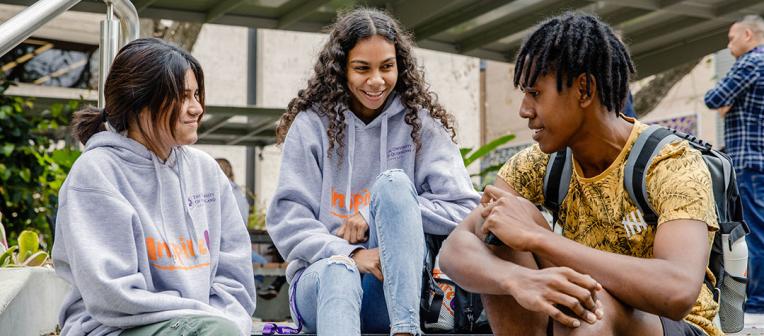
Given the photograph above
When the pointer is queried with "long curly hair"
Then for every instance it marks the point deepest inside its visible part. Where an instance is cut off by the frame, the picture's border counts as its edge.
(327, 90)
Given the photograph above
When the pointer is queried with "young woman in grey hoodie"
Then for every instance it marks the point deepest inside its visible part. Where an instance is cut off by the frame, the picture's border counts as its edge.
(148, 232)
(369, 166)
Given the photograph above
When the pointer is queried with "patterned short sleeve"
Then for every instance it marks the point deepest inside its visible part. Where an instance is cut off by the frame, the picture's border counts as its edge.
(679, 186)
(524, 172)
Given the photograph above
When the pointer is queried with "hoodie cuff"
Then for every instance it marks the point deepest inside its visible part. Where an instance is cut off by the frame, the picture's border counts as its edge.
(344, 249)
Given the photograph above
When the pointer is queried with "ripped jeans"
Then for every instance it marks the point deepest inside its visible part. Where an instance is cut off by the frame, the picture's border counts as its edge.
(333, 298)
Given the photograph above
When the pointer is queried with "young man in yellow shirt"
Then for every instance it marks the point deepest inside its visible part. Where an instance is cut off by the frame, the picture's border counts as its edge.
(609, 272)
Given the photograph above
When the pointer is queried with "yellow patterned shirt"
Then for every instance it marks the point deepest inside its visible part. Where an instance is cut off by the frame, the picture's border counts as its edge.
(598, 212)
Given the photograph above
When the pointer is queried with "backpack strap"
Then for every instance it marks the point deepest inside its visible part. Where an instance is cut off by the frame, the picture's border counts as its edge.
(559, 169)
(648, 145)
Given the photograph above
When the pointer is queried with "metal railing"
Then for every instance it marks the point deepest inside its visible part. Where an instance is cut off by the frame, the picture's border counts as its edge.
(22, 25)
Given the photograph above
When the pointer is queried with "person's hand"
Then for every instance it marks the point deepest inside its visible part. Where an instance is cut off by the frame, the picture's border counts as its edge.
(367, 261)
(354, 230)
(512, 219)
(556, 289)
(723, 110)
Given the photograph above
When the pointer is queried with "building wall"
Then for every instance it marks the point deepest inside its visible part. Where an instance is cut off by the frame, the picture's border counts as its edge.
(223, 52)
(502, 104)
(285, 62)
(686, 98)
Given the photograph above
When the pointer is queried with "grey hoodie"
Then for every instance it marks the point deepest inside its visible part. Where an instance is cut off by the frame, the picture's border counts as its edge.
(317, 193)
(142, 241)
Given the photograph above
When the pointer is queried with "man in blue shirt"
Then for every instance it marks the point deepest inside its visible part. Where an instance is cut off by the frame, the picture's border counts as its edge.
(739, 98)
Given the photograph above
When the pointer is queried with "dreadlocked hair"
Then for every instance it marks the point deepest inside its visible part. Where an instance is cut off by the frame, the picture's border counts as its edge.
(573, 44)
(327, 92)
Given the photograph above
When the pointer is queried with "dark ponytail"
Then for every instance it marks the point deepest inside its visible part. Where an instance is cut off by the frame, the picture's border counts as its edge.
(87, 123)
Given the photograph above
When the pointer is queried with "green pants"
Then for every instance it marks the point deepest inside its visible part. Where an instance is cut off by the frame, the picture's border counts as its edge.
(195, 325)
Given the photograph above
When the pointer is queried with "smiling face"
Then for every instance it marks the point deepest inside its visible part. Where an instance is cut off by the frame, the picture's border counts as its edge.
(554, 117)
(156, 135)
(372, 73)
(190, 113)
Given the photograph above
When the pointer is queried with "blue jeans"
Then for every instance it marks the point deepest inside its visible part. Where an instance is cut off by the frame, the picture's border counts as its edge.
(333, 298)
(751, 186)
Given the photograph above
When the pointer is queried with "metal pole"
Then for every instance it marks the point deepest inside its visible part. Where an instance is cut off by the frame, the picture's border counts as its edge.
(22, 25)
(128, 19)
(108, 48)
(110, 38)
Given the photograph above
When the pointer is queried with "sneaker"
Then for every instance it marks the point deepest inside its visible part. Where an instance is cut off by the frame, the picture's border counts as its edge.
(755, 321)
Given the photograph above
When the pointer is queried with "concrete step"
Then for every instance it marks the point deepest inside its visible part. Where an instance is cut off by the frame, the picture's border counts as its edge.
(30, 299)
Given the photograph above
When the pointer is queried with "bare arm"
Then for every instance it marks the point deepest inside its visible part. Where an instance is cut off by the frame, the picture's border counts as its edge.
(501, 271)
(666, 285)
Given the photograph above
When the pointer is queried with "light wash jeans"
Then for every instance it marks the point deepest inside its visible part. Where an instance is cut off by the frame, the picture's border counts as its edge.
(333, 298)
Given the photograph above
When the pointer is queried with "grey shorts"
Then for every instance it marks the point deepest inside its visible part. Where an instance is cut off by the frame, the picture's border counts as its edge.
(679, 328)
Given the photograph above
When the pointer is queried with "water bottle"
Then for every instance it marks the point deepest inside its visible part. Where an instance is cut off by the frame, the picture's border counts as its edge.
(733, 283)
(735, 257)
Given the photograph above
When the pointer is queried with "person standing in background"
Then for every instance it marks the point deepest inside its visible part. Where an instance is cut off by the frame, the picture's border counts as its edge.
(238, 193)
(739, 98)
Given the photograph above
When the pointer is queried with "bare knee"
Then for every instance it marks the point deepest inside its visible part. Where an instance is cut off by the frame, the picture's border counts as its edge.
(618, 319)
(507, 317)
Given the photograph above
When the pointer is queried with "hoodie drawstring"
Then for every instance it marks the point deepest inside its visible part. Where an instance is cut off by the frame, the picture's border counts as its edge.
(190, 225)
(383, 145)
(163, 230)
(350, 157)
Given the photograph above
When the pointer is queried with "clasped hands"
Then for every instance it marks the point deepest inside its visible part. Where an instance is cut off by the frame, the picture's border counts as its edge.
(562, 293)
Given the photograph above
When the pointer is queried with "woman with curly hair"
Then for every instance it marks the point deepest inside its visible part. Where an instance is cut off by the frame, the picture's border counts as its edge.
(369, 166)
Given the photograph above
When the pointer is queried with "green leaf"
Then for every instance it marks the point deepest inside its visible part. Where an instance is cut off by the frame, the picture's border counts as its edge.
(487, 148)
(8, 149)
(3, 239)
(5, 174)
(29, 244)
(36, 259)
(25, 174)
(7, 257)
(464, 151)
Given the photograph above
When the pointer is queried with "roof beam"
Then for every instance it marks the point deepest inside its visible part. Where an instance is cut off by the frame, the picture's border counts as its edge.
(412, 14)
(515, 22)
(142, 4)
(456, 17)
(221, 9)
(683, 28)
(613, 16)
(678, 36)
(659, 60)
(730, 7)
(215, 122)
(247, 111)
(259, 128)
(298, 13)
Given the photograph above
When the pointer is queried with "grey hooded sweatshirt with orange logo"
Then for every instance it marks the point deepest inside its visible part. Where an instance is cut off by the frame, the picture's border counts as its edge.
(316, 193)
(144, 241)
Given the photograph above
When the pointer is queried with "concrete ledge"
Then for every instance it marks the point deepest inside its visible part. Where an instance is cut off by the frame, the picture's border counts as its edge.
(30, 299)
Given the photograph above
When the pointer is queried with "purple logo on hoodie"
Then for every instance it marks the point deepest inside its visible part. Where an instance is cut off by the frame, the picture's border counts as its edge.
(397, 153)
(201, 199)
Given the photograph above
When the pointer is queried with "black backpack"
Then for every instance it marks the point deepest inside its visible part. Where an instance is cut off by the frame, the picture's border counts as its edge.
(729, 290)
(467, 307)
